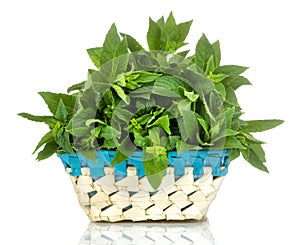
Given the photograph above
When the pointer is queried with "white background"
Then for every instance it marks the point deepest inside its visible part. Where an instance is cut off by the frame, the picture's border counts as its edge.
(43, 47)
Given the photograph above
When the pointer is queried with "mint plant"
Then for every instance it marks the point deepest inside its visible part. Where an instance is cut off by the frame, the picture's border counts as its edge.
(157, 100)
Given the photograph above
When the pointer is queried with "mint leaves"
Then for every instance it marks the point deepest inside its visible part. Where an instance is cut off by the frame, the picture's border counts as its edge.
(155, 101)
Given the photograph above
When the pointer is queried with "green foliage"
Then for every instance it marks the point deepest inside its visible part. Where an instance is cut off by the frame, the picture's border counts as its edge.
(153, 101)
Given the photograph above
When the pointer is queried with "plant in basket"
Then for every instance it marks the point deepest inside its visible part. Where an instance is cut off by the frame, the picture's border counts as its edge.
(150, 134)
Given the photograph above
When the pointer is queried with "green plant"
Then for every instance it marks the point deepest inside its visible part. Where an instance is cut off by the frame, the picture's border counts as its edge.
(157, 101)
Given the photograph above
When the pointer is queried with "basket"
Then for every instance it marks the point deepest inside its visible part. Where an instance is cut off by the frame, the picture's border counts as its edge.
(123, 192)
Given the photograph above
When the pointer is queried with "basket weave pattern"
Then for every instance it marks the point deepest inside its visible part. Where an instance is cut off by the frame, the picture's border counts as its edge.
(183, 199)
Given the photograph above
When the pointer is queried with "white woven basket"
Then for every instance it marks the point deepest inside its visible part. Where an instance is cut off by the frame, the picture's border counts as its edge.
(133, 198)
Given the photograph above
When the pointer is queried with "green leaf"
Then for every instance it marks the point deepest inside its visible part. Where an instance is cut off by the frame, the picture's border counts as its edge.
(77, 86)
(49, 149)
(124, 151)
(154, 134)
(217, 53)
(182, 146)
(221, 90)
(233, 142)
(52, 101)
(120, 59)
(61, 112)
(123, 114)
(121, 93)
(203, 123)
(50, 121)
(183, 30)
(210, 67)
(191, 95)
(133, 45)
(232, 70)
(236, 82)
(233, 154)
(153, 36)
(162, 122)
(217, 78)
(261, 125)
(255, 159)
(109, 132)
(170, 82)
(111, 43)
(95, 54)
(231, 97)
(188, 125)
(155, 163)
(77, 125)
(89, 154)
(204, 51)
(229, 116)
(146, 77)
(47, 138)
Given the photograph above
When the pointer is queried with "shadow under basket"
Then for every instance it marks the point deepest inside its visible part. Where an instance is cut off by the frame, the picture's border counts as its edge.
(123, 192)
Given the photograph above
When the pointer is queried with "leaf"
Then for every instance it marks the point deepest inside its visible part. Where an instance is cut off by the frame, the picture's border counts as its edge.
(217, 53)
(154, 134)
(221, 90)
(183, 30)
(188, 125)
(170, 82)
(254, 159)
(77, 86)
(47, 138)
(203, 123)
(109, 132)
(121, 93)
(261, 125)
(162, 122)
(233, 142)
(229, 116)
(62, 138)
(153, 36)
(111, 43)
(120, 59)
(182, 146)
(232, 70)
(217, 78)
(50, 121)
(147, 77)
(52, 100)
(155, 163)
(236, 82)
(77, 125)
(208, 109)
(233, 154)
(231, 97)
(210, 67)
(61, 112)
(204, 51)
(123, 114)
(49, 149)
(95, 55)
(190, 95)
(124, 150)
(133, 45)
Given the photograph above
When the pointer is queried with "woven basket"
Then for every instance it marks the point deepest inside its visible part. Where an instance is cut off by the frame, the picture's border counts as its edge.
(123, 192)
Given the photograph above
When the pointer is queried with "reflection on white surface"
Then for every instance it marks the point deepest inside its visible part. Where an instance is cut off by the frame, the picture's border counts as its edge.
(163, 233)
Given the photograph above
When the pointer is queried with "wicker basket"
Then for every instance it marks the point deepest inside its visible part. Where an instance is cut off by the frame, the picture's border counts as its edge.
(123, 192)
